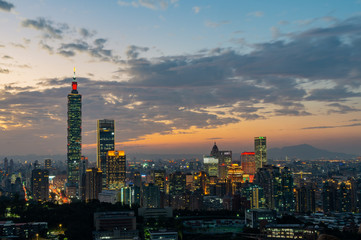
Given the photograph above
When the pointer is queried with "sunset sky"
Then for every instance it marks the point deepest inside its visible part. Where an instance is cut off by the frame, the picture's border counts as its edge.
(177, 75)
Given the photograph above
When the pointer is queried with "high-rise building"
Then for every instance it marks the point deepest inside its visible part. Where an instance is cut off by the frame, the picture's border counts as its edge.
(40, 184)
(151, 196)
(225, 160)
(93, 183)
(177, 183)
(260, 149)
(305, 197)
(47, 163)
(74, 136)
(158, 177)
(6, 165)
(277, 184)
(211, 165)
(105, 143)
(248, 162)
(11, 166)
(116, 167)
(83, 166)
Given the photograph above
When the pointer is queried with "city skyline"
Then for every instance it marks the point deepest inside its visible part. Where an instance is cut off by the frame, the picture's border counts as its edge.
(177, 76)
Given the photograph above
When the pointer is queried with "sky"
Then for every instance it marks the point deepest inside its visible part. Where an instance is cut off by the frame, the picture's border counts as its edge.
(177, 75)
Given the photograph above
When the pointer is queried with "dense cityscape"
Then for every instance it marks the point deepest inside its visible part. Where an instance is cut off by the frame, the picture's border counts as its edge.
(183, 120)
(221, 195)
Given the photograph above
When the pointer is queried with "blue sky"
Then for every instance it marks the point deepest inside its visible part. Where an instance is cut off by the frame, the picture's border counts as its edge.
(180, 74)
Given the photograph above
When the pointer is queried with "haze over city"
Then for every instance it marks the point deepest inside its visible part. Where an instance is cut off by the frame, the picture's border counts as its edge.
(178, 75)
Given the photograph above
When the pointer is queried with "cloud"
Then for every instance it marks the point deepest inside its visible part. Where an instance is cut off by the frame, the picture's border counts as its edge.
(196, 9)
(332, 94)
(132, 51)
(335, 126)
(86, 33)
(66, 53)
(18, 45)
(6, 6)
(3, 70)
(95, 49)
(216, 24)
(46, 47)
(50, 29)
(207, 89)
(256, 14)
(150, 4)
(342, 109)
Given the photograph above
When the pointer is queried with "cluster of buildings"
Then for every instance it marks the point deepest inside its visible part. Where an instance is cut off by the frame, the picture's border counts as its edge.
(250, 183)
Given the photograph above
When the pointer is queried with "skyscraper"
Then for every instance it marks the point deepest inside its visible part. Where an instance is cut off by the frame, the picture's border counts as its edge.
(260, 149)
(93, 183)
(115, 174)
(47, 163)
(74, 136)
(248, 162)
(40, 184)
(105, 143)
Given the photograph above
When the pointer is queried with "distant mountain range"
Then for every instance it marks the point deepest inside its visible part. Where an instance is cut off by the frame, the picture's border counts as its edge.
(305, 152)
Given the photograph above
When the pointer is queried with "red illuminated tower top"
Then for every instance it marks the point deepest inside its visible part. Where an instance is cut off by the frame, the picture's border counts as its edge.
(74, 84)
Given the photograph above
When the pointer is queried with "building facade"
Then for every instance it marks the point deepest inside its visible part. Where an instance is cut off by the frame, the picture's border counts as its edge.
(74, 136)
(105, 143)
(93, 183)
(260, 149)
(40, 184)
(115, 170)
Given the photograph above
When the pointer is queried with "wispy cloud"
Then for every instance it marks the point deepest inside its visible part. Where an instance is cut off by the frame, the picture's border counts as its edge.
(335, 126)
(49, 29)
(196, 9)
(216, 24)
(3, 70)
(6, 6)
(256, 14)
(150, 4)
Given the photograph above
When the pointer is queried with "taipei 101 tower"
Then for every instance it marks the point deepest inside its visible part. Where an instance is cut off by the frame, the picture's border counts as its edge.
(74, 139)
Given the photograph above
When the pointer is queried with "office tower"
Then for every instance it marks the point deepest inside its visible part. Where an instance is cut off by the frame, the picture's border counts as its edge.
(225, 160)
(235, 173)
(137, 179)
(11, 166)
(151, 196)
(74, 137)
(215, 151)
(254, 193)
(93, 183)
(201, 183)
(177, 183)
(269, 178)
(47, 163)
(159, 179)
(105, 143)
(260, 149)
(6, 165)
(248, 163)
(211, 165)
(40, 184)
(116, 167)
(277, 184)
(288, 198)
(83, 166)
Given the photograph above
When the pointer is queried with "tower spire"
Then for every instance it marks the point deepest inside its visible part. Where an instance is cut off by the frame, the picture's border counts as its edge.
(74, 77)
(74, 84)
